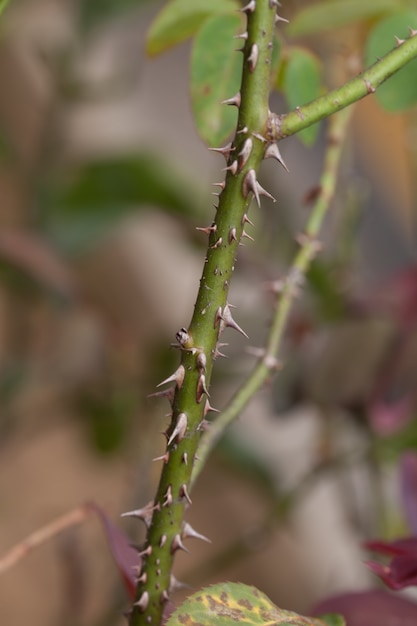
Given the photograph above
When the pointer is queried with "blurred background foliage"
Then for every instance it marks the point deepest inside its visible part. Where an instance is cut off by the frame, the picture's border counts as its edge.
(103, 179)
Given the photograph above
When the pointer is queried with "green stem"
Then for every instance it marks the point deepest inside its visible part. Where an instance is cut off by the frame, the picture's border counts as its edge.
(352, 91)
(308, 248)
(211, 316)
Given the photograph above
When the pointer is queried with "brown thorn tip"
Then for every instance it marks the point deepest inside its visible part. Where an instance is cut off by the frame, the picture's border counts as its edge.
(143, 602)
(184, 493)
(272, 152)
(180, 428)
(177, 544)
(250, 7)
(235, 101)
(253, 57)
(189, 532)
(177, 377)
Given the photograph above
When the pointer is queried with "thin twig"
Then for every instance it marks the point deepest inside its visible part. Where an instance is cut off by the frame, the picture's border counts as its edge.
(35, 539)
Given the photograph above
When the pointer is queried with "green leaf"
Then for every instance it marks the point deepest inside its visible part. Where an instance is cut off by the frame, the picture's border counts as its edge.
(228, 604)
(215, 75)
(326, 15)
(181, 19)
(82, 205)
(301, 84)
(400, 91)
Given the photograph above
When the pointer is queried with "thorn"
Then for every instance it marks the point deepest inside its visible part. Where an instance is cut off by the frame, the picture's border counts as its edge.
(224, 150)
(231, 168)
(259, 136)
(299, 113)
(164, 596)
(146, 552)
(175, 584)
(228, 321)
(189, 532)
(274, 3)
(184, 339)
(184, 458)
(143, 602)
(184, 493)
(250, 7)
(216, 352)
(278, 18)
(208, 229)
(235, 101)
(253, 57)
(217, 244)
(268, 359)
(201, 362)
(276, 286)
(222, 184)
(203, 426)
(245, 234)
(398, 40)
(412, 31)
(201, 388)
(242, 36)
(169, 394)
(177, 544)
(142, 578)
(162, 541)
(208, 408)
(251, 184)
(180, 429)
(243, 131)
(245, 153)
(168, 497)
(218, 316)
(272, 152)
(177, 376)
(369, 87)
(246, 220)
(164, 457)
(145, 513)
(232, 235)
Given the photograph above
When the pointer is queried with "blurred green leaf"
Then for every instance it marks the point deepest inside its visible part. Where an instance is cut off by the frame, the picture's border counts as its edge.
(301, 84)
(181, 19)
(215, 75)
(83, 205)
(400, 91)
(227, 604)
(334, 13)
(3, 5)
(93, 13)
(107, 417)
(321, 280)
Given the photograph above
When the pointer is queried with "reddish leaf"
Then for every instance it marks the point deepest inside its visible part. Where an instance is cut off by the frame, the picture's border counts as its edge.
(370, 608)
(408, 477)
(402, 570)
(127, 559)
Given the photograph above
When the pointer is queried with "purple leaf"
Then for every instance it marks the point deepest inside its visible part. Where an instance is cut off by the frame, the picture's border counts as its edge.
(408, 477)
(127, 559)
(370, 608)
